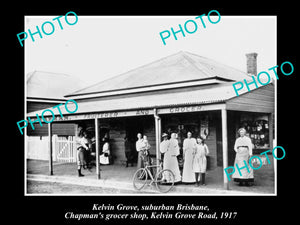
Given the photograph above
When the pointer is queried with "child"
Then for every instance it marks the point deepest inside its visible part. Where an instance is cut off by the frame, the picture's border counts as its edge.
(199, 160)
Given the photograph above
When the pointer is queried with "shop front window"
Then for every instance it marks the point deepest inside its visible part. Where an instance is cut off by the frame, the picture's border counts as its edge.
(257, 127)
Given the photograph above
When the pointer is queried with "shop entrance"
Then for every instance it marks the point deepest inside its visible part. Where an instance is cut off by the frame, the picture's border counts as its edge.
(133, 126)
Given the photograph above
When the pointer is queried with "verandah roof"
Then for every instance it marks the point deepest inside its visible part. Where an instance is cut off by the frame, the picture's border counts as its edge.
(216, 93)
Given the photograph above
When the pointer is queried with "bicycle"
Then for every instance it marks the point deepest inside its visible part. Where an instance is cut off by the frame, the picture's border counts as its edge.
(163, 179)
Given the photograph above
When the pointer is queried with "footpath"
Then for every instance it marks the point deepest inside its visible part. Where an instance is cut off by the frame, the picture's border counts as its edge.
(120, 177)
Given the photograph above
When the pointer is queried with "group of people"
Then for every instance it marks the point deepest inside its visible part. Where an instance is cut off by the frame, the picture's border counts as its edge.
(195, 162)
(194, 156)
(84, 149)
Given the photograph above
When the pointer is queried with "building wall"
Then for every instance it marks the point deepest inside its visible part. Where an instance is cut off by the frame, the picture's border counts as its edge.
(258, 100)
(61, 129)
(34, 106)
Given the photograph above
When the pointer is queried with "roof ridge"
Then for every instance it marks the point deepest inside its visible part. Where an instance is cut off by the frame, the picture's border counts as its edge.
(222, 64)
(134, 69)
(193, 63)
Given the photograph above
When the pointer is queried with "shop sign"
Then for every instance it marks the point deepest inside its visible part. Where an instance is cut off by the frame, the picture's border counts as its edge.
(106, 115)
(185, 109)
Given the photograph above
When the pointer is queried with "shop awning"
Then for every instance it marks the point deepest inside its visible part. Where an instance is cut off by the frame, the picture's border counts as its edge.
(209, 94)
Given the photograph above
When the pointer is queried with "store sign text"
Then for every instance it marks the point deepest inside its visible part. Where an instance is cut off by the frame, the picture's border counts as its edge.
(186, 109)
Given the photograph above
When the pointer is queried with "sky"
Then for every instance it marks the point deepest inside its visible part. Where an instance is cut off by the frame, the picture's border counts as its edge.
(99, 47)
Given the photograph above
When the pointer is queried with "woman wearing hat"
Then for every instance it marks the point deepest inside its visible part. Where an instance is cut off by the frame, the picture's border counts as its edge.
(243, 149)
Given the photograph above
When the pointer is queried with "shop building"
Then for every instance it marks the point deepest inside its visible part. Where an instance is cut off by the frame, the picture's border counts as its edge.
(44, 90)
(179, 93)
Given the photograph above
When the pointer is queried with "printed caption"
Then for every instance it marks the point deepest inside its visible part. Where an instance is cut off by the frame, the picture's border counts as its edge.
(151, 212)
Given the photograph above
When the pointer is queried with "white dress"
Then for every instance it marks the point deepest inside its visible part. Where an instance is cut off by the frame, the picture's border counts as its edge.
(243, 148)
(105, 149)
(189, 146)
(199, 161)
(170, 149)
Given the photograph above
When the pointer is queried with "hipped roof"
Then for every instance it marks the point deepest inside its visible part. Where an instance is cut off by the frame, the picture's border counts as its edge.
(47, 85)
(180, 67)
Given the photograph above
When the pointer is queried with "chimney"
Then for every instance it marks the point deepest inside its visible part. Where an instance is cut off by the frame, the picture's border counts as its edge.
(251, 63)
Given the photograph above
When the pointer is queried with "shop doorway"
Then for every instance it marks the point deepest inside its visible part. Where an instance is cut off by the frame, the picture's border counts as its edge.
(133, 126)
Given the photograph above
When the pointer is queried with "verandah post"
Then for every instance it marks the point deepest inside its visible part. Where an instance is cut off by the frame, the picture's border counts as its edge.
(224, 146)
(97, 148)
(157, 135)
(50, 148)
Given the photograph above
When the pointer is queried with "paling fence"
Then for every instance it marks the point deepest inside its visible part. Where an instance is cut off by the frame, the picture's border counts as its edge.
(64, 148)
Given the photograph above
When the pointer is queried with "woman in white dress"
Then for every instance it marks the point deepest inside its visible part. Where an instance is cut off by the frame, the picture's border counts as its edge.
(170, 148)
(189, 147)
(199, 160)
(243, 149)
(104, 157)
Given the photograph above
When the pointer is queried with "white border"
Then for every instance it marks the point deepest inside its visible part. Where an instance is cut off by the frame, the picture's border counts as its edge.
(161, 195)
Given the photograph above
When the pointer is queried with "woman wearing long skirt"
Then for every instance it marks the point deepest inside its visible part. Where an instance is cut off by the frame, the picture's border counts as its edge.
(82, 146)
(139, 148)
(170, 148)
(199, 161)
(189, 147)
(104, 157)
(243, 149)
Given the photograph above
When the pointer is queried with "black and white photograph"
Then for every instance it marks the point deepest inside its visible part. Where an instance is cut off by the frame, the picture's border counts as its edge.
(150, 118)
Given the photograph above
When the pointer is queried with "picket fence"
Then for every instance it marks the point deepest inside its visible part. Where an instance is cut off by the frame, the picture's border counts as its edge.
(64, 148)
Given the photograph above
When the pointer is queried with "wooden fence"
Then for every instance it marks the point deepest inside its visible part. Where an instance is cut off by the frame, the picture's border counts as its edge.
(64, 148)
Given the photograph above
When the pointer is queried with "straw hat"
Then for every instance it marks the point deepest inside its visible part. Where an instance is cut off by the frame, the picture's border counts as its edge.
(164, 135)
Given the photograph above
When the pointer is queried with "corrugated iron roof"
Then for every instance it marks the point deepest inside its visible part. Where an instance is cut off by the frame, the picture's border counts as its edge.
(49, 85)
(180, 67)
(204, 95)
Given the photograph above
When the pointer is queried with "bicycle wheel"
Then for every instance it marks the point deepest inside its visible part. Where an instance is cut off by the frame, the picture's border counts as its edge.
(140, 178)
(164, 180)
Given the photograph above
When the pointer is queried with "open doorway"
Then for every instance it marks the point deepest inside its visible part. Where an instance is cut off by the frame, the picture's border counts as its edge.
(133, 126)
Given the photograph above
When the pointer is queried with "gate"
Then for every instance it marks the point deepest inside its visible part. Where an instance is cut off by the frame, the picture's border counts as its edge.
(64, 149)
